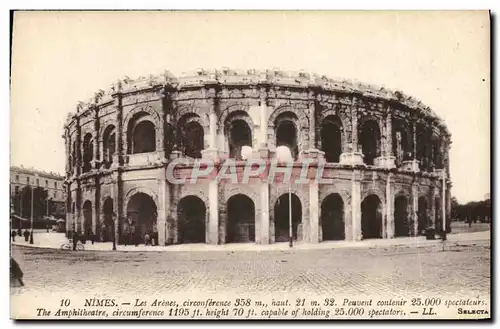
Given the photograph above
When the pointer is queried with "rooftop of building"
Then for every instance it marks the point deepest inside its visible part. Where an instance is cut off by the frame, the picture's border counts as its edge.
(34, 171)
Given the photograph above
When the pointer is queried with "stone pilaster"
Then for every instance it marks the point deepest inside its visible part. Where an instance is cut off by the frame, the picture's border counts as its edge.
(96, 207)
(353, 156)
(161, 221)
(389, 209)
(171, 234)
(356, 206)
(414, 210)
(213, 216)
(95, 136)
(314, 229)
(116, 195)
(264, 214)
(263, 118)
(387, 159)
(413, 164)
(118, 156)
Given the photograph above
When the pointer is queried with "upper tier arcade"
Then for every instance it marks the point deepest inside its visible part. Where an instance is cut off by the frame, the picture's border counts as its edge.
(218, 112)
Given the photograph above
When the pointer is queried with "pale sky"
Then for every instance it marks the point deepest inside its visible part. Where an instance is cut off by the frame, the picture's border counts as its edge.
(441, 58)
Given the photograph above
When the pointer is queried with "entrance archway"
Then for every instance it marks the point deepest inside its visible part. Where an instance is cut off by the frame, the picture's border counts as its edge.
(240, 219)
(332, 218)
(423, 220)
(281, 218)
(141, 218)
(107, 224)
(191, 213)
(401, 225)
(87, 217)
(371, 217)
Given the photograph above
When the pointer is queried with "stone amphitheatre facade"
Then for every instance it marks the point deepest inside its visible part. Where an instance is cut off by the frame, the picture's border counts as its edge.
(386, 153)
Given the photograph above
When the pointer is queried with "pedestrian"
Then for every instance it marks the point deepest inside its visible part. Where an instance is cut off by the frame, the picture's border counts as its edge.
(19, 232)
(147, 239)
(75, 239)
(26, 235)
(16, 274)
(13, 235)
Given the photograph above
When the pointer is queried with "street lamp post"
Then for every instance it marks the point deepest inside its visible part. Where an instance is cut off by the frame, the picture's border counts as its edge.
(32, 202)
(290, 229)
(113, 230)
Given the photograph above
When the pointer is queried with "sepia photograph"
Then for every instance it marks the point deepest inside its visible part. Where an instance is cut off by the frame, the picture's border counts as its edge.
(244, 165)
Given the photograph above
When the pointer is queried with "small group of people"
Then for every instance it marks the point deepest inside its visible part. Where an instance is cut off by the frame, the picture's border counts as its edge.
(19, 232)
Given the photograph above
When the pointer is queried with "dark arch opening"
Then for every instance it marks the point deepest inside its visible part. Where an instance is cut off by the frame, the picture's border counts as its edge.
(370, 141)
(401, 143)
(281, 218)
(87, 217)
(109, 146)
(192, 217)
(144, 137)
(423, 219)
(141, 219)
(286, 135)
(193, 140)
(332, 218)
(88, 150)
(241, 219)
(371, 217)
(107, 226)
(401, 223)
(239, 135)
(331, 138)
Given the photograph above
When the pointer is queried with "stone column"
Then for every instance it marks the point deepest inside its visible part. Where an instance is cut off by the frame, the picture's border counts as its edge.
(353, 157)
(432, 216)
(213, 219)
(264, 213)
(171, 234)
(389, 209)
(356, 205)
(314, 211)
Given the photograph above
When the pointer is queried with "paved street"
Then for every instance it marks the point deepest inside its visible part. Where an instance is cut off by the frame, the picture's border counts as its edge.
(463, 269)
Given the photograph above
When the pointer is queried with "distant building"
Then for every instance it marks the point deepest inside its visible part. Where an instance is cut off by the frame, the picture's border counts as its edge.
(21, 177)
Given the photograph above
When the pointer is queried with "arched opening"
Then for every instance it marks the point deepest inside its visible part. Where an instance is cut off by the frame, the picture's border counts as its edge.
(87, 217)
(88, 150)
(370, 141)
(423, 220)
(191, 213)
(282, 218)
(332, 218)
(193, 139)
(436, 153)
(331, 138)
(286, 132)
(371, 217)
(438, 214)
(401, 137)
(109, 146)
(107, 225)
(401, 225)
(141, 219)
(240, 219)
(239, 135)
(144, 139)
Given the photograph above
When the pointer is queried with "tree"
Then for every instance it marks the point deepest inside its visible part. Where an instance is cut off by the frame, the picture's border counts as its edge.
(22, 202)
